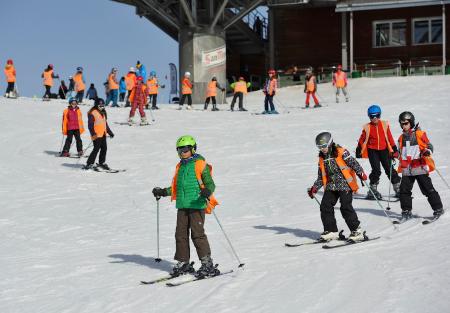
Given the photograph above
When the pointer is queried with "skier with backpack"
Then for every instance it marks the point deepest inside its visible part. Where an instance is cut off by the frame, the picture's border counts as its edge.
(192, 188)
(377, 144)
(337, 174)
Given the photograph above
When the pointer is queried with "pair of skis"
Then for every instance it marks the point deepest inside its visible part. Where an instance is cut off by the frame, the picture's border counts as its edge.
(171, 282)
(426, 221)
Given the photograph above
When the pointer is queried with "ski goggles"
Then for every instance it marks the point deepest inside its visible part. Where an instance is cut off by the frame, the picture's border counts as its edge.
(184, 149)
(376, 115)
(403, 123)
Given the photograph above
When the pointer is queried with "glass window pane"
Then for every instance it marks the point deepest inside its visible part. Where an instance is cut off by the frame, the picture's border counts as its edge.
(398, 34)
(436, 31)
(421, 31)
(382, 35)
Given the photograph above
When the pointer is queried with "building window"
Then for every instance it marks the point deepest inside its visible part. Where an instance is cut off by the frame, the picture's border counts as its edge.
(427, 31)
(389, 33)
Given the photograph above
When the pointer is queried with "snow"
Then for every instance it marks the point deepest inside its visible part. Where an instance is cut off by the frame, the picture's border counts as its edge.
(76, 241)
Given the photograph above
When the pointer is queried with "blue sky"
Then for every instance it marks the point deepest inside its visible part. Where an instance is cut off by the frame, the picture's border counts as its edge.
(94, 34)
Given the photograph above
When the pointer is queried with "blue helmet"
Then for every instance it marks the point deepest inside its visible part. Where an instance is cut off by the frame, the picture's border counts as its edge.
(79, 69)
(373, 109)
(152, 73)
(71, 99)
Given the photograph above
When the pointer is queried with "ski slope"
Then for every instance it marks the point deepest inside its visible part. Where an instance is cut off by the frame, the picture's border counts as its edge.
(79, 242)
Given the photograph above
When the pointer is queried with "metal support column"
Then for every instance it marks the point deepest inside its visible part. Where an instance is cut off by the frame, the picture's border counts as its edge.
(344, 47)
(351, 42)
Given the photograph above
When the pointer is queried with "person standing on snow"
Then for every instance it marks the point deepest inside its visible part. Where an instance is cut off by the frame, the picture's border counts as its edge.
(48, 76)
(138, 99)
(98, 128)
(62, 91)
(340, 82)
(122, 89)
(186, 91)
(91, 94)
(311, 88)
(337, 174)
(240, 89)
(270, 88)
(10, 73)
(416, 164)
(113, 86)
(72, 126)
(377, 144)
(141, 71)
(211, 93)
(152, 87)
(130, 81)
(192, 188)
(79, 84)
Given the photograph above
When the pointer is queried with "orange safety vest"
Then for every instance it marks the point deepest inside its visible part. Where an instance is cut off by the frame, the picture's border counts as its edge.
(79, 84)
(272, 86)
(152, 85)
(310, 84)
(134, 91)
(199, 168)
(240, 86)
(211, 90)
(340, 79)
(65, 121)
(366, 127)
(186, 88)
(130, 81)
(48, 78)
(347, 172)
(10, 73)
(99, 123)
(422, 146)
(112, 83)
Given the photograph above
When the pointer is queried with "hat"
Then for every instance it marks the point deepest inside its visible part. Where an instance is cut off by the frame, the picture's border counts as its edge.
(9, 61)
(99, 101)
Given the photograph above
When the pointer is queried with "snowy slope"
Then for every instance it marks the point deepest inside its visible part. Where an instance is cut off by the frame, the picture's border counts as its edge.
(75, 241)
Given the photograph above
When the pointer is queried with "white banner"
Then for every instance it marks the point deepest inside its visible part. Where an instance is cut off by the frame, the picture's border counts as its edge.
(214, 57)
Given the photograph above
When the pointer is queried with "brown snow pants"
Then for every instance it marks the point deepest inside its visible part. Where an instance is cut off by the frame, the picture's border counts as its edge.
(193, 220)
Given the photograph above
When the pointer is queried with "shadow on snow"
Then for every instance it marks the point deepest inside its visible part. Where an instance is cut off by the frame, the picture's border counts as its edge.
(142, 260)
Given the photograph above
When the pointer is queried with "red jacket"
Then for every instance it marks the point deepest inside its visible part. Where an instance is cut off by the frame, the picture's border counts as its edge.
(377, 141)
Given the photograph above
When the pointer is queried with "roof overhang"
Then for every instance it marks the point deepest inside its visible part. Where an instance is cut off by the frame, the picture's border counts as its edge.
(361, 5)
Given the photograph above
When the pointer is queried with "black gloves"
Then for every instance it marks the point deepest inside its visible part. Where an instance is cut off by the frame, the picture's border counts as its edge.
(205, 192)
(111, 135)
(358, 152)
(159, 192)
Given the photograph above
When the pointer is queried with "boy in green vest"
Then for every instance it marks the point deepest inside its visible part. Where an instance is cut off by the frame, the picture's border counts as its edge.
(192, 188)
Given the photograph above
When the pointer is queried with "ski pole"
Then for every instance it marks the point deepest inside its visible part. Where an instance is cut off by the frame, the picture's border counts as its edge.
(390, 183)
(439, 173)
(158, 259)
(379, 204)
(229, 242)
(84, 151)
(315, 198)
(62, 142)
(151, 113)
(281, 105)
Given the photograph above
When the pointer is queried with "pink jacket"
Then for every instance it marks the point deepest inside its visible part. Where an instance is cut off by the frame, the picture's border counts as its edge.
(72, 117)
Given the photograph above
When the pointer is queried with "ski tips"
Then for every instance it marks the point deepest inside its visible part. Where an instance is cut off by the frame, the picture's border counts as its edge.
(157, 260)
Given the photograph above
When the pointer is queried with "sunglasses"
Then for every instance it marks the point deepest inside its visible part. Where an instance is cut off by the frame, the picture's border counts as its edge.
(404, 123)
(372, 116)
(184, 149)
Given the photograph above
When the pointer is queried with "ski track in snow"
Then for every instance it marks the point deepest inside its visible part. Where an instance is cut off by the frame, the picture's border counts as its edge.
(80, 242)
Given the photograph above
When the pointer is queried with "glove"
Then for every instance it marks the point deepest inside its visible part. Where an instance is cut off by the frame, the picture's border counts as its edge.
(94, 137)
(111, 135)
(395, 155)
(205, 193)
(159, 192)
(426, 152)
(223, 89)
(362, 176)
(312, 191)
(358, 152)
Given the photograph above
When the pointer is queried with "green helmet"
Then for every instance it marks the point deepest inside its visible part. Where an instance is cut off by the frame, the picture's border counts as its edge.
(187, 140)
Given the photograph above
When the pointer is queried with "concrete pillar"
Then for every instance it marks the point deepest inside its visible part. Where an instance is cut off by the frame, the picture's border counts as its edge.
(202, 52)
(344, 46)
(351, 42)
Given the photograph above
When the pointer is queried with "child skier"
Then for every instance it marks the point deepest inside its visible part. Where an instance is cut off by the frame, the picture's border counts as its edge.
(130, 81)
(153, 87)
(10, 73)
(416, 164)
(192, 188)
(186, 91)
(113, 85)
(240, 89)
(122, 89)
(337, 173)
(377, 144)
(79, 84)
(72, 125)
(48, 76)
(311, 88)
(91, 93)
(138, 98)
(98, 127)
(211, 93)
(340, 82)
(270, 88)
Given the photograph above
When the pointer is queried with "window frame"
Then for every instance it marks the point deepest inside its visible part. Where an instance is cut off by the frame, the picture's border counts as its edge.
(390, 22)
(429, 19)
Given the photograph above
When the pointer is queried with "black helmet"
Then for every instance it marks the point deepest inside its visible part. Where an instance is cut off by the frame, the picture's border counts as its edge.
(99, 101)
(407, 116)
(324, 140)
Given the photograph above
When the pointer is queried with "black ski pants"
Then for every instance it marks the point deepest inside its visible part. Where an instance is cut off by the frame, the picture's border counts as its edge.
(183, 98)
(70, 134)
(48, 92)
(153, 98)
(79, 96)
(99, 145)
(329, 200)
(213, 100)
(239, 95)
(10, 87)
(426, 187)
(269, 100)
(375, 158)
(122, 96)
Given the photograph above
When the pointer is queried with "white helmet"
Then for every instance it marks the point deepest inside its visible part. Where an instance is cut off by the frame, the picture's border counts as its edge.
(132, 69)
(187, 74)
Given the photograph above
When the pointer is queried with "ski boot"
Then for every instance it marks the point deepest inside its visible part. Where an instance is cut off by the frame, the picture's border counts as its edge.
(265, 112)
(154, 107)
(328, 236)
(373, 191)
(88, 167)
(207, 269)
(396, 189)
(180, 107)
(274, 112)
(357, 235)
(205, 107)
(438, 212)
(80, 153)
(182, 268)
(130, 121)
(406, 215)
(103, 166)
(65, 154)
(306, 106)
(144, 121)
(232, 108)
(189, 107)
(215, 107)
(242, 109)
(318, 105)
